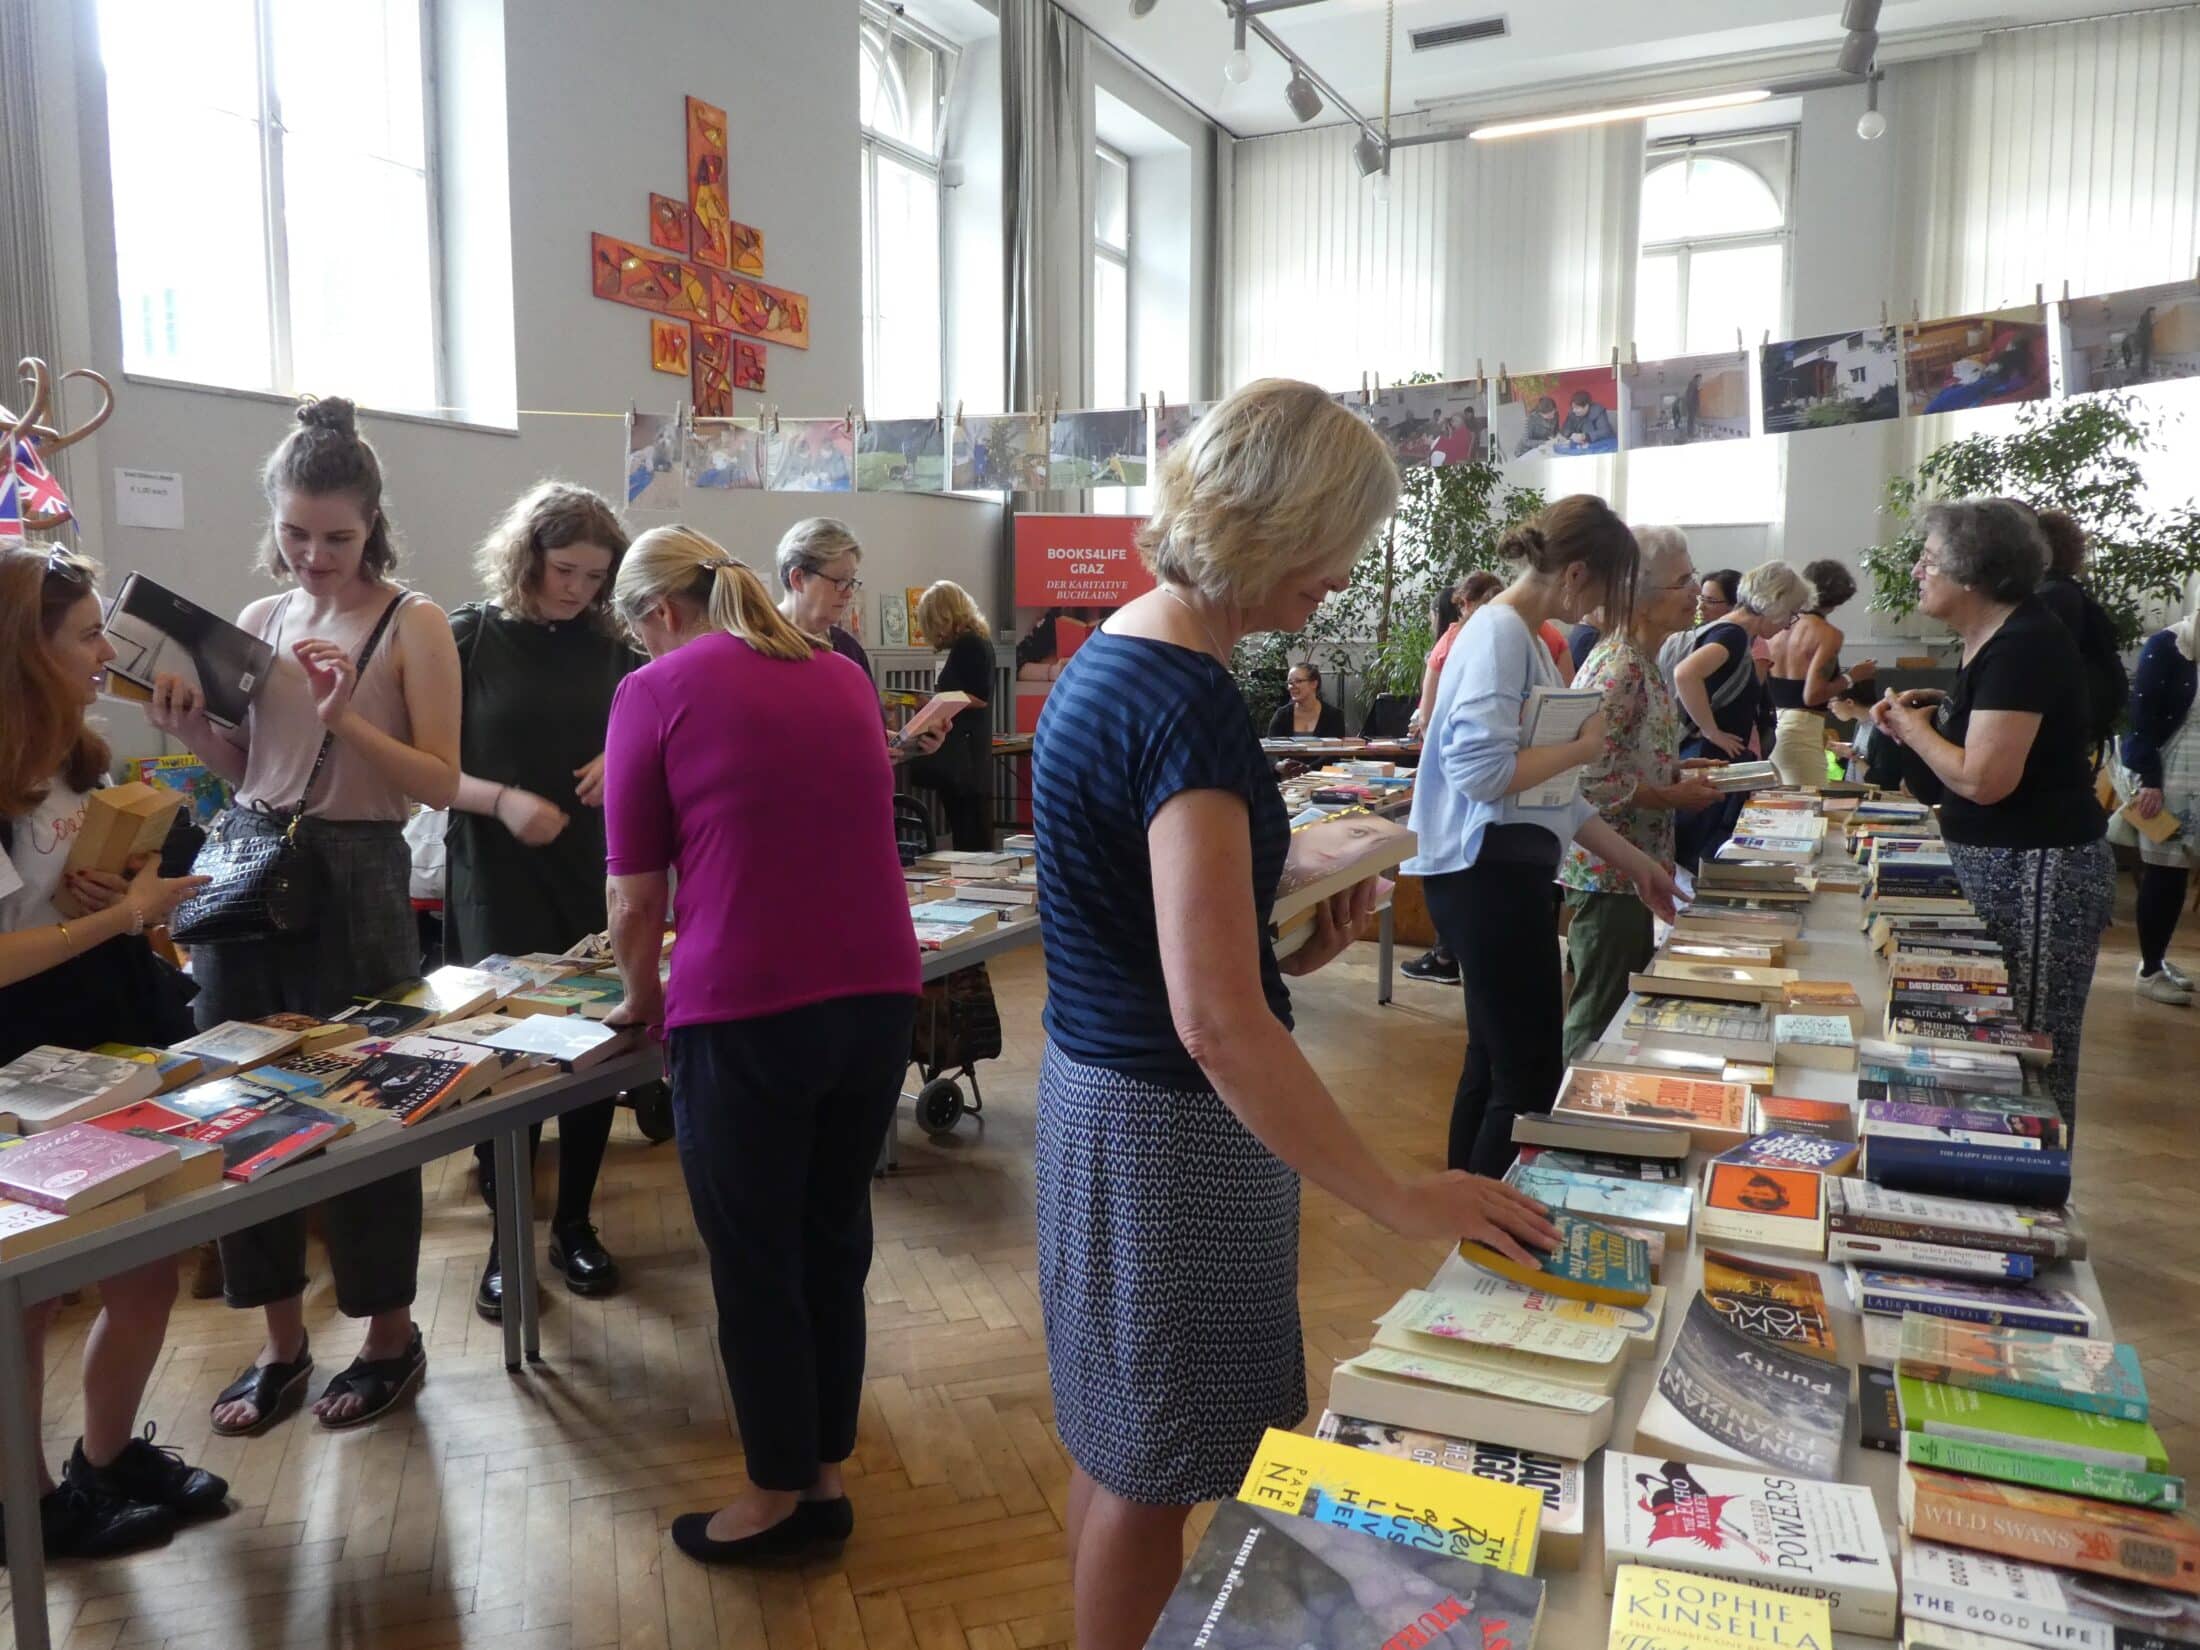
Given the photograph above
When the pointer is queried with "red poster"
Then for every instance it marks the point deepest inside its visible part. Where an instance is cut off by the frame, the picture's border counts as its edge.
(1078, 561)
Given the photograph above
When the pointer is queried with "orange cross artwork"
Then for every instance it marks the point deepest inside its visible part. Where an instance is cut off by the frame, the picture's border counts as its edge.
(695, 272)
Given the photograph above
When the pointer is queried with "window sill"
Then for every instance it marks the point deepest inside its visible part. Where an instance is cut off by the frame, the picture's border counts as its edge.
(432, 421)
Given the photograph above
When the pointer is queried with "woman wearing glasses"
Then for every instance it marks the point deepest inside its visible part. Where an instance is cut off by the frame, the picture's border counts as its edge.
(539, 660)
(819, 564)
(1305, 711)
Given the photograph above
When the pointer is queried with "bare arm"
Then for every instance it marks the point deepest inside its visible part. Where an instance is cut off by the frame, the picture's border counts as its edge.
(145, 901)
(637, 909)
(1989, 763)
(1819, 676)
(1203, 911)
(1432, 677)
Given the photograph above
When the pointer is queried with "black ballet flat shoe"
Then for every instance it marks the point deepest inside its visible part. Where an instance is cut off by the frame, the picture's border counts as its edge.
(813, 1524)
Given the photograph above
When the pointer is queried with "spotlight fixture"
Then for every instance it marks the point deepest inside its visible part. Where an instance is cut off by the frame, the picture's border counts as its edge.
(1871, 123)
(1859, 16)
(1299, 92)
(1369, 156)
(1142, 8)
(1237, 68)
(1857, 51)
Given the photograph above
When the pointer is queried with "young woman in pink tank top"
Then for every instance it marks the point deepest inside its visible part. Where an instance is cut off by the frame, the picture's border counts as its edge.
(370, 668)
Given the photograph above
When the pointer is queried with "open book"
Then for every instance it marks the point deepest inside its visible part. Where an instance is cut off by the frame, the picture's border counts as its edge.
(1555, 716)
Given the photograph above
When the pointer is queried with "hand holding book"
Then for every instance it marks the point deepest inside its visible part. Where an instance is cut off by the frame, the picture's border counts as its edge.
(1337, 923)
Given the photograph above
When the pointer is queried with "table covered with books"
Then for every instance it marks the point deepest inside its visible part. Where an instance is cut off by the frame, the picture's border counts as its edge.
(1784, 1384)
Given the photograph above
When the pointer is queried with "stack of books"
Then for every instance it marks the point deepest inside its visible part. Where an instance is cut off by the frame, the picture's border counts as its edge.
(1953, 989)
(78, 1178)
(1559, 1533)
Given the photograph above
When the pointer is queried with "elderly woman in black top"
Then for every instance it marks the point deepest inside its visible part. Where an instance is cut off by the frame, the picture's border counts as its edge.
(2005, 757)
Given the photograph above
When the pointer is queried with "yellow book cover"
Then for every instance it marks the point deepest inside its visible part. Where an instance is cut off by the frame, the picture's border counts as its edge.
(1665, 1610)
(1409, 1502)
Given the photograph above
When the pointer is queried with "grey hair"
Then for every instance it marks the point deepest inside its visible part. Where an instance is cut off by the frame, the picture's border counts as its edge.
(1991, 545)
(1661, 548)
(1774, 591)
(812, 542)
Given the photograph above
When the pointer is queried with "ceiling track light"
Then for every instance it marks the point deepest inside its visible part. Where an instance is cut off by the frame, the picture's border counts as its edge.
(1370, 154)
(1237, 68)
(1858, 16)
(1299, 92)
(1857, 51)
(1871, 123)
(1142, 8)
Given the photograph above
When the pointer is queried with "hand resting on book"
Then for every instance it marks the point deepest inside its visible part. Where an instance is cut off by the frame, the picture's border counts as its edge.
(1337, 922)
(1457, 1206)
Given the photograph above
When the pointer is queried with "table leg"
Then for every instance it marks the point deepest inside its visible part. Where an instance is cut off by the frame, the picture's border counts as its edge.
(523, 1234)
(1385, 937)
(513, 1245)
(19, 1445)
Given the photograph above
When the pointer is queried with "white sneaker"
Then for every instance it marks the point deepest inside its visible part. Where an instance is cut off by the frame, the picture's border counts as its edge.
(2177, 976)
(2159, 987)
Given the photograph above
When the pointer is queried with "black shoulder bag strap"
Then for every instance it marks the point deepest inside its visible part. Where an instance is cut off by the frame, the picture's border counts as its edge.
(359, 668)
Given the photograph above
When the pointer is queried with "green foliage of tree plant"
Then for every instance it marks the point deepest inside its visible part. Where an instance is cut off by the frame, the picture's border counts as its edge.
(2084, 456)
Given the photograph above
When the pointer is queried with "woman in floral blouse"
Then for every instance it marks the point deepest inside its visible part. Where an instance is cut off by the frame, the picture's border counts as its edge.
(1637, 784)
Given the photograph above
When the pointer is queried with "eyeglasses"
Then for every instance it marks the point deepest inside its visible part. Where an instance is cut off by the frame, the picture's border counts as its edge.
(62, 563)
(847, 586)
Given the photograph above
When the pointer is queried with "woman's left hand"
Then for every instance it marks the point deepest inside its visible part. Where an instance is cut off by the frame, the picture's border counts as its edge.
(926, 741)
(588, 782)
(86, 893)
(1337, 923)
(330, 677)
(1902, 719)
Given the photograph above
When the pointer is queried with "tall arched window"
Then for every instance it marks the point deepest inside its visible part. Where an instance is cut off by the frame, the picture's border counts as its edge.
(1712, 278)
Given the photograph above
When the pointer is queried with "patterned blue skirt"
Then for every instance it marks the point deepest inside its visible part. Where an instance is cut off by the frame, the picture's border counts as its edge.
(1168, 1271)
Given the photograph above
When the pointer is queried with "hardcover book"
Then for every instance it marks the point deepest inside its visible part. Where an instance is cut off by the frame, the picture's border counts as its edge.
(2035, 1604)
(1403, 1502)
(1260, 1579)
(2014, 1423)
(1716, 1115)
(1814, 1540)
(1782, 1304)
(1969, 1300)
(80, 1166)
(1724, 1397)
(1558, 1481)
(1761, 1203)
(2154, 1549)
(1666, 1610)
(1590, 1263)
(2071, 1371)
(2161, 1490)
(48, 1088)
(1966, 1168)
(156, 632)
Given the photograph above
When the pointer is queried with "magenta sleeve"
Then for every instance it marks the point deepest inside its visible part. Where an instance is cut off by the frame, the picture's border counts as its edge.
(637, 801)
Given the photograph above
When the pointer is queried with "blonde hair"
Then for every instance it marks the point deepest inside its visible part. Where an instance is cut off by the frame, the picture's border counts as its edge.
(1275, 478)
(809, 544)
(946, 614)
(678, 564)
(551, 515)
(1773, 590)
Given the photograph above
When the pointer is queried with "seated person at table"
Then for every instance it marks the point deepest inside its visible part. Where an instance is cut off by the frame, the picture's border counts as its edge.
(1587, 424)
(1305, 711)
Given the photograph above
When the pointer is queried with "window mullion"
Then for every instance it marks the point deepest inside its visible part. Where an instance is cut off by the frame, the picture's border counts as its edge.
(271, 194)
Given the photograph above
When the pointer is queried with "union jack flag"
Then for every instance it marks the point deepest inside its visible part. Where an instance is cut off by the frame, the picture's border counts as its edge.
(11, 505)
(39, 494)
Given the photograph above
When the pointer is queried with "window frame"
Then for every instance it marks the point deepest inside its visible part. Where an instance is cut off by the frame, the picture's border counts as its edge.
(275, 230)
(946, 58)
(1680, 150)
(1106, 154)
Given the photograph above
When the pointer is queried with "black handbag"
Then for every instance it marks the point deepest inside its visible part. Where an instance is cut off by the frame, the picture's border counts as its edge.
(264, 884)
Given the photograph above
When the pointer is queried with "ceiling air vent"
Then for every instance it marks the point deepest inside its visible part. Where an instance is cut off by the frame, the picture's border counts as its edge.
(1459, 34)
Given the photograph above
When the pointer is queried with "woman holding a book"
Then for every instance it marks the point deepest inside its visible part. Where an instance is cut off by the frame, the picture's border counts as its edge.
(1717, 684)
(786, 1026)
(2006, 758)
(74, 972)
(961, 769)
(1636, 782)
(1176, 1112)
(1495, 813)
(539, 661)
(358, 720)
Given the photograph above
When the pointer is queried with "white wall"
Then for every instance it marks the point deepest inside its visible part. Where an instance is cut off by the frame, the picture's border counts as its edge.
(595, 117)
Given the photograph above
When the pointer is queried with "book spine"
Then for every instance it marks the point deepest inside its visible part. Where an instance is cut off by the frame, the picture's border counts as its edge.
(2069, 1541)
(1891, 1305)
(2033, 1242)
(2046, 1472)
(1966, 1169)
(2032, 1392)
(1914, 1255)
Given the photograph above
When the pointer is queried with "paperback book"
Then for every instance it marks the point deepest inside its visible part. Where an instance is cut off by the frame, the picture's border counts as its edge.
(1940, 1259)
(1558, 1481)
(236, 1044)
(79, 1166)
(1657, 1609)
(1779, 1150)
(156, 632)
(1725, 1397)
(2154, 1549)
(1792, 1115)
(2035, 1604)
(1716, 1115)
(2132, 1487)
(49, 1088)
(1663, 1206)
(25, 1229)
(1816, 1540)
(1642, 1142)
(258, 1140)
(1785, 1305)
(1781, 1208)
(1591, 1263)
(2045, 1234)
(1720, 1027)
(2044, 1429)
(1969, 1300)
(2071, 1371)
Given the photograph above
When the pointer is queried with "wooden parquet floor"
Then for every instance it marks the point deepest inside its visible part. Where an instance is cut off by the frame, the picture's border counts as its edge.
(532, 1512)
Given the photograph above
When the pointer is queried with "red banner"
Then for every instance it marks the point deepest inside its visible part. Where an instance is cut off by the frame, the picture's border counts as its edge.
(1078, 561)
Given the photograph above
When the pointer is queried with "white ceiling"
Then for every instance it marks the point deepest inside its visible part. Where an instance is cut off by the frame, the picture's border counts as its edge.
(1594, 42)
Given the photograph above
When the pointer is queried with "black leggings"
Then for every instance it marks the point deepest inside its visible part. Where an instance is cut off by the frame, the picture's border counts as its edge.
(2161, 903)
(1499, 918)
(583, 1134)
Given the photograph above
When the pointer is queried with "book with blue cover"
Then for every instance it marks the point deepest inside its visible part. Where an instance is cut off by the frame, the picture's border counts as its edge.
(1967, 1168)
(1591, 1263)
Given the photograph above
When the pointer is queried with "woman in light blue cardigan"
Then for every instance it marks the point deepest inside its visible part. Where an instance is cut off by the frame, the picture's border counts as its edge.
(1494, 816)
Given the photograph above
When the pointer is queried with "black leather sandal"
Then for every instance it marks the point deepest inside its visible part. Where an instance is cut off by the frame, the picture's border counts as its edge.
(380, 1383)
(274, 1390)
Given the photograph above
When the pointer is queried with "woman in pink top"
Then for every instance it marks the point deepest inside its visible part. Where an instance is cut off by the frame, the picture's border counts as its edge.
(357, 721)
(745, 760)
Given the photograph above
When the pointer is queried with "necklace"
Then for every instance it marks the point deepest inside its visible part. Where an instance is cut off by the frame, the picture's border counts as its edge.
(1222, 654)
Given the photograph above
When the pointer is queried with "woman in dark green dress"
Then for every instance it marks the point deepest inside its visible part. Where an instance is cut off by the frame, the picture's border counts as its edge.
(540, 661)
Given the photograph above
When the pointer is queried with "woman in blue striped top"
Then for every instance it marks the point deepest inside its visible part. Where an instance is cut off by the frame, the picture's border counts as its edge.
(1176, 1113)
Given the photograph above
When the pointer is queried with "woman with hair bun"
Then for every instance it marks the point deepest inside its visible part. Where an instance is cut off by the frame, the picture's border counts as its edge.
(1489, 853)
(1807, 676)
(357, 721)
(786, 1035)
(540, 660)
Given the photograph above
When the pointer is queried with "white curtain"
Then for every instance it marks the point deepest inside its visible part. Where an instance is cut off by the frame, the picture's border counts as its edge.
(1046, 204)
(29, 323)
(1521, 252)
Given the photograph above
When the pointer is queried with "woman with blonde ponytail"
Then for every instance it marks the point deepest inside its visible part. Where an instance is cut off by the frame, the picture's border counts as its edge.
(743, 756)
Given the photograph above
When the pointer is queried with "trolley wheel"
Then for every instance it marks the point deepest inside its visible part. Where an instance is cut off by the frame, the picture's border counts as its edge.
(652, 1104)
(939, 1106)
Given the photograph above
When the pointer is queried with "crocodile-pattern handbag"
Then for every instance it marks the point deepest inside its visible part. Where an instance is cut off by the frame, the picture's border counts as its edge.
(265, 884)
